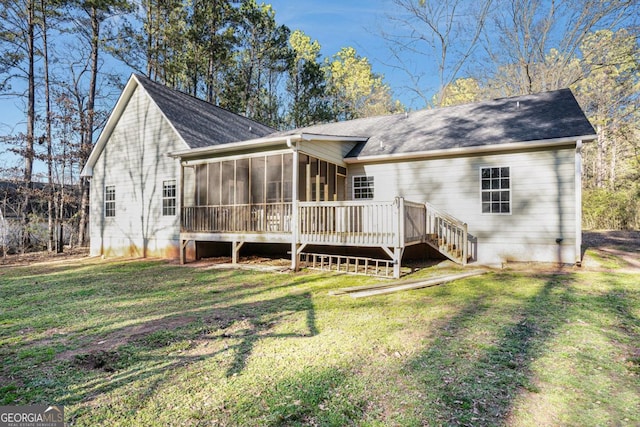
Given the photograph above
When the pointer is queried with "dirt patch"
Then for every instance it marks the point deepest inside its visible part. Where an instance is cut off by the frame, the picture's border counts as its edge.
(44, 256)
(244, 263)
(603, 248)
(628, 240)
(108, 361)
(91, 353)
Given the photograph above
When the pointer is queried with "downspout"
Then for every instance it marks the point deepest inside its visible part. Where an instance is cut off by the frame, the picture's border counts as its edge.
(578, 207)
(294, 206)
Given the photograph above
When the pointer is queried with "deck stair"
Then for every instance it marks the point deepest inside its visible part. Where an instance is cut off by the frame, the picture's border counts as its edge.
(447, 234)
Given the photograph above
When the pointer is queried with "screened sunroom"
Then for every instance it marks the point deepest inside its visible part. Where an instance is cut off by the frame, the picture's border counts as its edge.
(255, 194)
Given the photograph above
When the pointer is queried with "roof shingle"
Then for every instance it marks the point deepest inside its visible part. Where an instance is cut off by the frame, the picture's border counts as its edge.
(537, 117)
(200, 123)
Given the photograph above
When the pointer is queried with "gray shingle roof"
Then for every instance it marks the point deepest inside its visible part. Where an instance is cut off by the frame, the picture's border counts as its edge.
(537, 117)
(200, 123)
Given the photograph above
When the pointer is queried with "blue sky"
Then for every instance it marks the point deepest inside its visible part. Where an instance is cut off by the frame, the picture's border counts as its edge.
(335, 23)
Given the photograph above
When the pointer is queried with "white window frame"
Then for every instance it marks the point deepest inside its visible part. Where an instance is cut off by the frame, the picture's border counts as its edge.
(358, 190)
(109, 202)
(499, 190)
(168, 208)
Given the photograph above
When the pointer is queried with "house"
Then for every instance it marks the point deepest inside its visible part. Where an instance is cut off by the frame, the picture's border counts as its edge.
(487, 183)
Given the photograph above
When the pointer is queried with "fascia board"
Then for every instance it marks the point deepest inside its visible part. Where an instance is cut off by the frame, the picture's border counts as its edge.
(461, 151)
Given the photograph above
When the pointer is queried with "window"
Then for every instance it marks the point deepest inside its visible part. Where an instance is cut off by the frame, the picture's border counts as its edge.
(495, 190)
(110, 201)
(169, 197)
(362, 187)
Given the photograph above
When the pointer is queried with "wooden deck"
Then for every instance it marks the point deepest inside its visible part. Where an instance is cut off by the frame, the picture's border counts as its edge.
(390, 225)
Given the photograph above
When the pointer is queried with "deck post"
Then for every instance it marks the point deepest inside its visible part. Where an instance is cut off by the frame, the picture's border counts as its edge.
(183, 243)
(183, 251)
(399, 213)
(295, 229)
(295, 257)
(397, 260)
(401, 220)
(235, 251)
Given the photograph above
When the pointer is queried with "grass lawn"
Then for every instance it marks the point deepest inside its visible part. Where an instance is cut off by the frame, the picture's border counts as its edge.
(131, 343)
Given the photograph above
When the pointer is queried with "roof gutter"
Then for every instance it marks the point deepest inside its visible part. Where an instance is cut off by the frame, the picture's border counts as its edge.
(514, 146)
(234, 146)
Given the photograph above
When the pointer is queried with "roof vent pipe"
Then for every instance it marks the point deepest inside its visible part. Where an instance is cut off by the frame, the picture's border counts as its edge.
(517, 105)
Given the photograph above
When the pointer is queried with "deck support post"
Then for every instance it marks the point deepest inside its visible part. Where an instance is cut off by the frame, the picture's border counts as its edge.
(183, 251)
(396, 256)
(397, 262)
(399, 219)
(296, 250)
(295, 257)
(235, 251)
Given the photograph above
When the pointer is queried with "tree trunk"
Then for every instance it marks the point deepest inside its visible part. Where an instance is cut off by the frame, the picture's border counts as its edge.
(88, 140)
(47, 98)
(31, 118)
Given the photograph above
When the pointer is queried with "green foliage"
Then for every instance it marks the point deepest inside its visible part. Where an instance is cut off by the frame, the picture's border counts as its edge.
(355, 90)
(260, 56)
(461, 91)
(604, 209)
(306, 85)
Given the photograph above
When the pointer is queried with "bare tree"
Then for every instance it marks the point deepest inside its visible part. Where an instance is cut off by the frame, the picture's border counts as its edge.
(48, 120)
(17, 38)
(533, 44)
(94, 12)
(444, 33)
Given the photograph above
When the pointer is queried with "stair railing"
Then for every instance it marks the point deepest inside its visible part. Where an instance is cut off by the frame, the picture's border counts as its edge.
(447, 234)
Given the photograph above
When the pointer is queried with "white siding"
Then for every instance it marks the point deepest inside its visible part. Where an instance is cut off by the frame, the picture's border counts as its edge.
(542, 197)
(134, 160)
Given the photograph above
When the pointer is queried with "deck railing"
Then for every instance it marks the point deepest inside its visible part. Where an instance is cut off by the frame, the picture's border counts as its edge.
(392, 224)
(261, 217)
(354, 223)
(415, 215)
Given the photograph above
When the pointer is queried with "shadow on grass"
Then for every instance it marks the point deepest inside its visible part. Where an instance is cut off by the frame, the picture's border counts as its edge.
(474, 383)
(237, 327)
(93, 296)
(45, 331)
